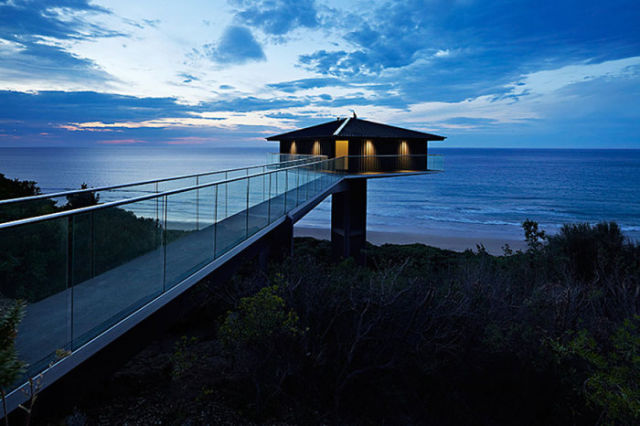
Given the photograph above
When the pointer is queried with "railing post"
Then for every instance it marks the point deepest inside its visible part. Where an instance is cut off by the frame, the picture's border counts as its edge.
(156, 191)
(70, 275)
(306, 186)
(246, 227)
(164, 245)
(297, 186)
(93, 245)
(286, 186)
(197, 204)
(215, 223)
(269, 201)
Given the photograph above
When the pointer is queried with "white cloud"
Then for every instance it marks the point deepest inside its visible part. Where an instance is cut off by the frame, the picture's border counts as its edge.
(544, 82)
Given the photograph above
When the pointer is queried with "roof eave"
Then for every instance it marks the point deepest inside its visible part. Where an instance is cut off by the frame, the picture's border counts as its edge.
(433, 138)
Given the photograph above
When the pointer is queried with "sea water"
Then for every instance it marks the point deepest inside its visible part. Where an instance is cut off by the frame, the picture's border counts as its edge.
(483, 192)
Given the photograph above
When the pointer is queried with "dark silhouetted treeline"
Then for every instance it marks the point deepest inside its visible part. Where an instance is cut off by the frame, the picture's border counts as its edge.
(35, 258)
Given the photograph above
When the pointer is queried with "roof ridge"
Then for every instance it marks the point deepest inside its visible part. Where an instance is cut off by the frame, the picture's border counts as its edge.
(351, 127)
(339, 129)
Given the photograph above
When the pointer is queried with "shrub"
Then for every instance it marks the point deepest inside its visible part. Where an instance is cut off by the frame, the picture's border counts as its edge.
(611, 380)
(261, 339)
(83, 199)
(421, 330)
(183, 357)
(589, 251)
(259, 318)
(11, 367)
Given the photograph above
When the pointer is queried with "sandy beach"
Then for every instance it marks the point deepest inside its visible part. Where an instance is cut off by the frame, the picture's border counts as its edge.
(453, 241)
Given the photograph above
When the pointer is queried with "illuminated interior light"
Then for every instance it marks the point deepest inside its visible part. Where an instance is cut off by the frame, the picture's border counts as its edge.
(315, 150)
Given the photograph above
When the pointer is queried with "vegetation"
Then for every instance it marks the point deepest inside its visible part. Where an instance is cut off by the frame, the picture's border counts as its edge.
(549, 335)
(420, 335)
(34, 258)
(10, 366)
(183, 357)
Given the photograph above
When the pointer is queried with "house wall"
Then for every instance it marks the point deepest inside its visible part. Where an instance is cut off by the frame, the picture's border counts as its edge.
(388, 147)
(356, 147)
(317, 147)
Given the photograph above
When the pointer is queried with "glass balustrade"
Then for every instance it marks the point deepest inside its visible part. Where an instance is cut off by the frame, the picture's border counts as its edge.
(391, 164)
(43, 204)
(82, 271)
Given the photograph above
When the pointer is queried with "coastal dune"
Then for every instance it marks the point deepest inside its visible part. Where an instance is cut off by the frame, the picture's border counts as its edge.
(456, 242)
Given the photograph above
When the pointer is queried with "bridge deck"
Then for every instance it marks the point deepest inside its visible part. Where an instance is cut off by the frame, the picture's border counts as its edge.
(104, 268)
(76, 315)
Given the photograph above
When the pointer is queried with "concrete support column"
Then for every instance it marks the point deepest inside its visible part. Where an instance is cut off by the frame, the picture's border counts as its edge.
(283, 240)
(277, 245)
(349, 219)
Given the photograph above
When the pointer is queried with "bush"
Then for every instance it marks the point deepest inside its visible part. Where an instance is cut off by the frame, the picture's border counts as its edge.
(260, 337)
(419, 331)
(610, 375)
(11, 367)
(590, 252)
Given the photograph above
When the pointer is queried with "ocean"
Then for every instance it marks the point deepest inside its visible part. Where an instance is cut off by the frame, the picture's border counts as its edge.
(483, 192)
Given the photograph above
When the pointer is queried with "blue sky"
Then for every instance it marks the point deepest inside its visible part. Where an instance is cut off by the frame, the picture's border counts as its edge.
(209, 73)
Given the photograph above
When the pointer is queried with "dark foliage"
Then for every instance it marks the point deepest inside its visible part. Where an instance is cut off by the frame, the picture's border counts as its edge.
(14, 188)
(11, 367)
(82, 199)
(43, 258)
(422, 335)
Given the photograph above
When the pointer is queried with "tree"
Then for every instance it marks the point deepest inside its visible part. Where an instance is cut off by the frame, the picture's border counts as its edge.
(533, 235)
(82, 199)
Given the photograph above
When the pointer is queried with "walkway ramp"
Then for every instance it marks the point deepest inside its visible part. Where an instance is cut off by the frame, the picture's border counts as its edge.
(106, 263)
(90, 272)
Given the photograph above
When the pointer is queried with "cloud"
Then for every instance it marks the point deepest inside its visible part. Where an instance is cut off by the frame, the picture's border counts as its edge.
(339, 63)
(59, 19)
(307, 83)
(443, 50)
(548, 81)
(66, 107)
(253, 103)
(34, 36)
(159, 123)
(121, 142)
(277, 17)
(84, 118)
(236, 46)
(588, 101)
(187, 78)
(49, 66)
(189, 140)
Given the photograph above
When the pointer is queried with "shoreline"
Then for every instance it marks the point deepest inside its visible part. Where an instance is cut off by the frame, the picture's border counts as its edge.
(457, 243)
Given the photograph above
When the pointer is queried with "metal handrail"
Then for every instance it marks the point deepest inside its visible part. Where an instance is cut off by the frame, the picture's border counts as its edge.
(65, 213)
(124, 185)
(34, 219)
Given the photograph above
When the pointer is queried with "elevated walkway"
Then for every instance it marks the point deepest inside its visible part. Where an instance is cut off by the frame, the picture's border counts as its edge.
(92, 273)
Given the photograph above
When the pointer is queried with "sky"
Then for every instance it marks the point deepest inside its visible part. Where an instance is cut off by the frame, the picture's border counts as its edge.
(517, 73)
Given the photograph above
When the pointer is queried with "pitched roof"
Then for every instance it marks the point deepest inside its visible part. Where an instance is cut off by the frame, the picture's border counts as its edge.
(353, 127)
